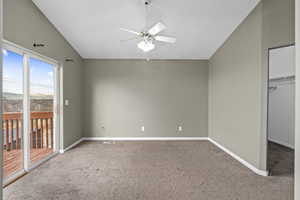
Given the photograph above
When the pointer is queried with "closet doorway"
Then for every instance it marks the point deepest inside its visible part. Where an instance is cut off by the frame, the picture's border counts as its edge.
(281, 110)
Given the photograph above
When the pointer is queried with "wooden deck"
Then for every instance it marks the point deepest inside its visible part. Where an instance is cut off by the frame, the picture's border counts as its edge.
(13, 159)
(41, 139)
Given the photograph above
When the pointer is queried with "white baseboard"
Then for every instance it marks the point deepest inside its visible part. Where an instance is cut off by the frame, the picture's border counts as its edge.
(242, 161)
(282, 143)
(144, 138)
(132, 139)
(245, 163)
(71, 146)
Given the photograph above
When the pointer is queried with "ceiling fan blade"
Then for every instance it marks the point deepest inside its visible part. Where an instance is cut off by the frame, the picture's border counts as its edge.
(130, 31)
(165, 39)
(157, 28)
(126, 40)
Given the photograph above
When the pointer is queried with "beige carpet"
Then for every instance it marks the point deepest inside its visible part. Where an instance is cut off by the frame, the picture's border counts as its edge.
(281, 160)
(148, 171)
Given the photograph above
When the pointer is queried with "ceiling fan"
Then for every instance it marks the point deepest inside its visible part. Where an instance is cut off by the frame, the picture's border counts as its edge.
(151, 36)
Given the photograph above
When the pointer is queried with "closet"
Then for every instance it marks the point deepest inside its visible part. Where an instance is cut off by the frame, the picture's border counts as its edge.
(281, 104)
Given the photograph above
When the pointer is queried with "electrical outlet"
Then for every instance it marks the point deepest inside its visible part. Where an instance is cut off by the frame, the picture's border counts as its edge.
(143, 128)
(179, 128)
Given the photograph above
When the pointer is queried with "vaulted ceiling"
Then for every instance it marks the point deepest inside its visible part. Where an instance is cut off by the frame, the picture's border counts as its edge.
(92, 27)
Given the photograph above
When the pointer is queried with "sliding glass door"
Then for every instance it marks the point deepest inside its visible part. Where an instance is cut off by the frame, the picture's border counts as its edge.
(12, 116)
(42, 93)
(30, 114)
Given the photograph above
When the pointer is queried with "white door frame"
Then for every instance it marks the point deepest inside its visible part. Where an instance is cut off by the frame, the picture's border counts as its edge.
(27, 54)
(1, 142)
(297, 102)
(26, 113)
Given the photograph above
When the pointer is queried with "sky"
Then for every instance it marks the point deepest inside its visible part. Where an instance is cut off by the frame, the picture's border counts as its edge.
(41, 75)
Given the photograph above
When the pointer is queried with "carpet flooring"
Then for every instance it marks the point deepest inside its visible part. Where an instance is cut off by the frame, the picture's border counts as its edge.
(281, 160)
(184, 170)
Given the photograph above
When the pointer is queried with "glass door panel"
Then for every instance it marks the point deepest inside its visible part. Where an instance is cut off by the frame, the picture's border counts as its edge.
(42, 96)
(12, 124)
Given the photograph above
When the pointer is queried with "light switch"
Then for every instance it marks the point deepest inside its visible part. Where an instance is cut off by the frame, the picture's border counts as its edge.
(179, 128)
(143, 128)
(67, 103)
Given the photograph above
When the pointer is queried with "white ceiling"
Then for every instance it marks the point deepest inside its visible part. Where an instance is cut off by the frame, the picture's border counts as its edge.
(93, 26)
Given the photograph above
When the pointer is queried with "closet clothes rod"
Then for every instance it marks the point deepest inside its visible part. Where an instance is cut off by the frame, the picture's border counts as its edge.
(284, 78)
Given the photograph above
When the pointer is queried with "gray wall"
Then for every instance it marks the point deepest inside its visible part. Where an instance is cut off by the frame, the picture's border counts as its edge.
(278, 23)
(123, 95)
(24, 24)
(238, 80)
(234, 87)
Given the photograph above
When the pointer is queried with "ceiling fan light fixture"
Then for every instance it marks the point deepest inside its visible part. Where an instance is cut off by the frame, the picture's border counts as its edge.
(146, 46)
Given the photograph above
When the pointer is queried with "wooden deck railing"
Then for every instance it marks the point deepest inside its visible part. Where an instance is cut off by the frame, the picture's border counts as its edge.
(41, 126)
